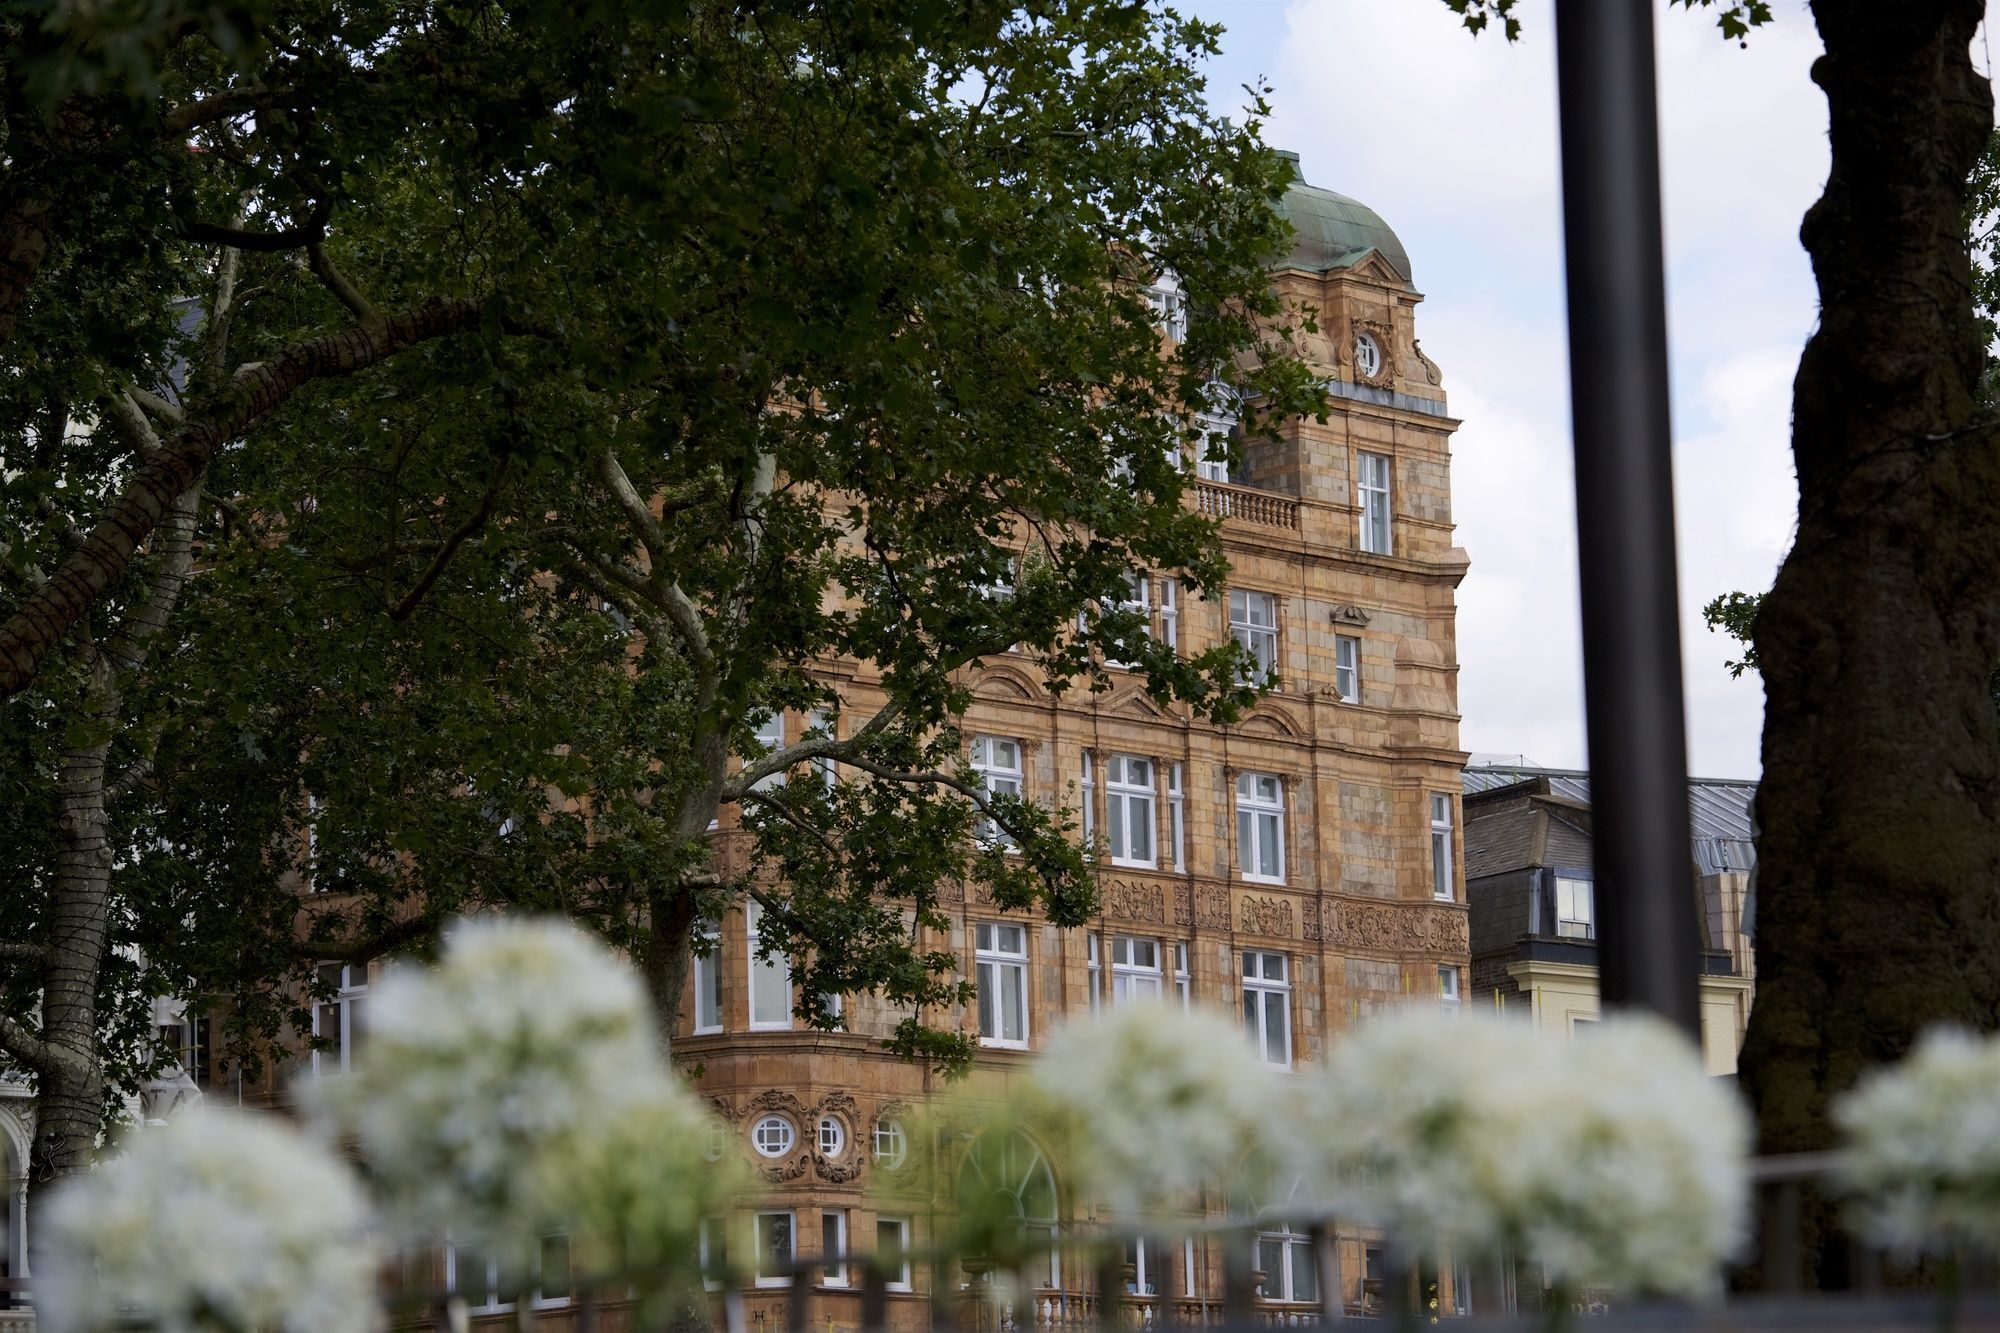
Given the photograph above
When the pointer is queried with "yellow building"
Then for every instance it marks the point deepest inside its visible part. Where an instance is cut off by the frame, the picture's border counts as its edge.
(1532, 893)
(1300, 868)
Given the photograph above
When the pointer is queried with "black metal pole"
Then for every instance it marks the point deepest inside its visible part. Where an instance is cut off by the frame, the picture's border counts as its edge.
(1647, 944)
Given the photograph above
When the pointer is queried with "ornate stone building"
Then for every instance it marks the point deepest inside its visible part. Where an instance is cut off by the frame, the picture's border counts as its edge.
(1300, 868)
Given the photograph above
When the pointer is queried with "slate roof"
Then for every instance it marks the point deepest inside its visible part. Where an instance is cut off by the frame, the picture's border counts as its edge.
(1718, 808)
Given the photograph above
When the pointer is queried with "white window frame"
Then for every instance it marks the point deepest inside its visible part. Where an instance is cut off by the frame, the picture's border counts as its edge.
(1443, 877)
(1259, 637)
(1217, 422)
(1260, 987)
(1132, 810)
(1260, 826)
(790, 1139)
(1001, 970)
(1177, 814)
(348, 1009)
(716, 1142)
(762, 969)
(1347, 667)
(1373, 494)
(1169, 634)
(791, 1220)
(770, 734)
(1294, 1248)
(1094, 967)
(833, 1274)
(492, 1298)
(1133, 979)
(831, 1136)
(1183, 977)
(1367, 355)
(1000, 777)
(826, 769)
(1139, 597)
(1448, 992)
(1169, 305)
(1089, 788)
(708, 982)
(1566, 922)
(898, 1278)
(890, 1132)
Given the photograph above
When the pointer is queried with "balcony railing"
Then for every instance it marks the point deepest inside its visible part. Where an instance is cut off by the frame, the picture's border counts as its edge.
(1221, 499)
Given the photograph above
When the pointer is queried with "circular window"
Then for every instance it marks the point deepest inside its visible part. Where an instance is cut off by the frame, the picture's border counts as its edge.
(1367, 355)
(832, 1136)
(891, 1145)
(772, 1136)
(718, 1140)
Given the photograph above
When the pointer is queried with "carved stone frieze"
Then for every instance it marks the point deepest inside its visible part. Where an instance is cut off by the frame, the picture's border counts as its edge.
(1262, 915)
(722, 1108)
(840, 1104)
(1211, 909)
(1414, 927)
(1183, 907)
(1135, 902)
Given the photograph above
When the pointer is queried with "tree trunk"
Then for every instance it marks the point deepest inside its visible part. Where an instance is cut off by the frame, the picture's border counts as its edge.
(70, 1090)
(1878, 879)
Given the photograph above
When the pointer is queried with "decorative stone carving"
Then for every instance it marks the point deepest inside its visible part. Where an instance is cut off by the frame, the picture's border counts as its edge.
(840, 1104)
(1183, 908)
(1135, 902)
(1211, 909)
(979, 895)
(776, 1099)
(1424, 928)
(1347, 613)
(838, 1172)
(723, 1110)
(1310, 923)
(780, 1172)
(1266, 916)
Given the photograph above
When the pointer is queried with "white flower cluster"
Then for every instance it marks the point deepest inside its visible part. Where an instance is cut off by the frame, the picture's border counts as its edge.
(218, 1221)
(1923, 1145)
(1161, 1100)
(493, 1078)
(1613, 1160)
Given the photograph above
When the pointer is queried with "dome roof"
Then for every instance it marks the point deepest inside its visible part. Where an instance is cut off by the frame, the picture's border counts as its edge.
(1331, 231)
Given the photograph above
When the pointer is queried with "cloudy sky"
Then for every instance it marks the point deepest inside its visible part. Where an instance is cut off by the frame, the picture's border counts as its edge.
(1453, 141)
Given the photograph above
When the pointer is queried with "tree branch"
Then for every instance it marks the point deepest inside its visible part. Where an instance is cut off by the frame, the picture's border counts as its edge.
(156, 405)
(680, 611)
(336, 282)
(474, 521)
(220, 106)
(252, 395)
(790, 816)
(361, 949)
(26, 1047)
(812, 747)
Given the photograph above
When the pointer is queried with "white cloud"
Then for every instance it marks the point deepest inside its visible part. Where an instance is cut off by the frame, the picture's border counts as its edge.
(1454, 141)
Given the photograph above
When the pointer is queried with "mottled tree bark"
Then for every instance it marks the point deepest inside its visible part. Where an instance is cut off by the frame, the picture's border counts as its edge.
(70, 1082)
(1878, 908)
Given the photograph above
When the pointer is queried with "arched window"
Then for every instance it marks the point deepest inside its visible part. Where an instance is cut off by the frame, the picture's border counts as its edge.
(1284, 1251)
(1008, 1171)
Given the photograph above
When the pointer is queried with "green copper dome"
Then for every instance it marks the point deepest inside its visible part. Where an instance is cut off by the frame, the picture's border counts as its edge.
(1331, 231)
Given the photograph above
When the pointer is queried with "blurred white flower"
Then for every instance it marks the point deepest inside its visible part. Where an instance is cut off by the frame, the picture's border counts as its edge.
(1611, 1159)
(218, 1221)
(1162, 1100)
(1655, 1195)
(1923, 1142)
(525, 1039)
(633, 1191)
